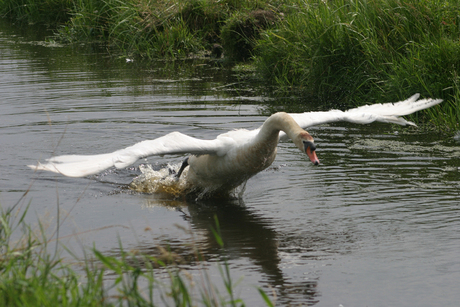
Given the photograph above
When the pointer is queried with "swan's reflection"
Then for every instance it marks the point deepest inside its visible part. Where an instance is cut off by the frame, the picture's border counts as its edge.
(245, 234)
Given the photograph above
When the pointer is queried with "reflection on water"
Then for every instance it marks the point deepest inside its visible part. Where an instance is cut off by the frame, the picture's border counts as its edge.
(245, 234)
(376, 224)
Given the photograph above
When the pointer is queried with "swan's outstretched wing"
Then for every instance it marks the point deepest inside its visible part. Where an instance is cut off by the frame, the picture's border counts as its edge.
(387, 113)
(172, 143)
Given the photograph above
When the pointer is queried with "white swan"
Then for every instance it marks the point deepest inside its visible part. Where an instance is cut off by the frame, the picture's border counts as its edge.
(233, 157)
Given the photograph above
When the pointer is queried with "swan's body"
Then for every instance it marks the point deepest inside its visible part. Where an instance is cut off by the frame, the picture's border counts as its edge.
(248, 153)
(233, 157)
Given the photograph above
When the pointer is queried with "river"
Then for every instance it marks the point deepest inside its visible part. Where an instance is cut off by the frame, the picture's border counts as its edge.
(376, 224)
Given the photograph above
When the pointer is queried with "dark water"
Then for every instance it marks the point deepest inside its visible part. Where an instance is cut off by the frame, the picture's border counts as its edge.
(377, 224)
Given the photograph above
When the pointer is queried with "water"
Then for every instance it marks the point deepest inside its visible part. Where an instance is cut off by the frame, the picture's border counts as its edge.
(376, 224)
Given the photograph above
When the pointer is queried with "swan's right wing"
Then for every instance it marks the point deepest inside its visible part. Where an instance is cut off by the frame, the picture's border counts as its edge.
(387, 113)
(172, 143)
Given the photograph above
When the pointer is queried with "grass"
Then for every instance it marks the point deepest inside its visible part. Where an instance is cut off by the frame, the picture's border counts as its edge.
(150, 28)
(31, 275)
(350, 52)
(338, 53)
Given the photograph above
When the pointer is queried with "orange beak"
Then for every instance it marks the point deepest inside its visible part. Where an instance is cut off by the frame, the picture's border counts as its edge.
(310, 151)
(312, 155)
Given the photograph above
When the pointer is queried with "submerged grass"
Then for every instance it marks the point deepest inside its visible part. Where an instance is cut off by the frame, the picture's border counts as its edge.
(338, 53)
(32, 276)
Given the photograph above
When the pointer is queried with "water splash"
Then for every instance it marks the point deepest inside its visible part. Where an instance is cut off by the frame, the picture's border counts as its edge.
(163, 181)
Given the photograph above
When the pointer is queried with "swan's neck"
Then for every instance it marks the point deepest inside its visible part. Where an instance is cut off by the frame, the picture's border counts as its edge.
(281, 121)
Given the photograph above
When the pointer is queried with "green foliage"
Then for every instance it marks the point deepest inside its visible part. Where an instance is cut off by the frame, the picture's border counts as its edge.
(86, 21)
(149, 28)
(315, 51)
(205, 19)
(359, 51)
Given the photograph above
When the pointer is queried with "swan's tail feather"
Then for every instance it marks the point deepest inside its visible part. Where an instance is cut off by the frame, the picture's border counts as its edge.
(76, 165)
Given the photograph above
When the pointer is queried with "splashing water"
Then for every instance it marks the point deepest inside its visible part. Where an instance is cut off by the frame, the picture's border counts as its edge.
(163, 181)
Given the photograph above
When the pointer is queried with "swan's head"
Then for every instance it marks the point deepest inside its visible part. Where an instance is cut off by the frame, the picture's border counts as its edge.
(306, 144)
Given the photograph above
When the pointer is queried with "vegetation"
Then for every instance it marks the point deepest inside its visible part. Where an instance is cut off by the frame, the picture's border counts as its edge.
(335, 52)
(30, 275)
(355, 51)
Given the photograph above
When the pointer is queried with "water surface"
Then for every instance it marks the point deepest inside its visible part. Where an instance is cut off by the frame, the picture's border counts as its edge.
(376, 224)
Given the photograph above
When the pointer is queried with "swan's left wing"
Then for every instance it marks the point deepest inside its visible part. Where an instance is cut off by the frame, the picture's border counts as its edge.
(172, 143)
(387, 113)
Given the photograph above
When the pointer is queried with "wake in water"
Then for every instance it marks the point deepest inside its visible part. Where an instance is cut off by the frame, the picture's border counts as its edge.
(165, 181)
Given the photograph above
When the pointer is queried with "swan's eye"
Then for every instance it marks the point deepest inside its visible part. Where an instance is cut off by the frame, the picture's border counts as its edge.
(308, 144)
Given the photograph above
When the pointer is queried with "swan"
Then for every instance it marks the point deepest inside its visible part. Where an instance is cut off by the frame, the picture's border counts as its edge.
(233, 157)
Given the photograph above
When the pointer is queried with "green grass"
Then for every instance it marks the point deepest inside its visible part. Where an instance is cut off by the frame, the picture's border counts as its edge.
(31, 275)
(350, 52)
(336, 53)
(149, 28)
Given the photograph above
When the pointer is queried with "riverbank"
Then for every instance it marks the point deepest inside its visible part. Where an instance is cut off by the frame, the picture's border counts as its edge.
(337, 53)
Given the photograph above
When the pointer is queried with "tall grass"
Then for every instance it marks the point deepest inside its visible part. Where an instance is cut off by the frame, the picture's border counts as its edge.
(32, 276)
(355, 51)
(158, 28)
(152, 28)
